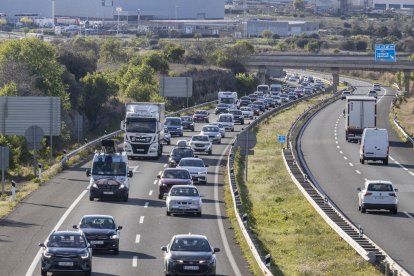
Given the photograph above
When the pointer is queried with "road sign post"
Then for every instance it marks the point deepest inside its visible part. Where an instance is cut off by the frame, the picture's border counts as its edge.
(385, 53)
(281, 140)
(34, 136)
(4, 164)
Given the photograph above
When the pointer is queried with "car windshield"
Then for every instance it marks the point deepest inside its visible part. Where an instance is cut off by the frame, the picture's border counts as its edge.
(225, 119)
(190, 244)
(236, 112)
(179, 191)
(191, 163)
(97, 223)
(66, 240)
(173, 122)
(201, 112)
(200, 138)
(380, 187)
(222, 105)
(176, 174)
(210, 129)
(186, 119)
(141, 125)
(182, 152)
(245, 109)
(108, 165)
(227, 100)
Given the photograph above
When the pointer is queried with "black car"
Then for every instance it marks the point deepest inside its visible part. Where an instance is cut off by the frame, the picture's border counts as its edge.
(189, 255)
(101, 231)
(261, 105)
(187, 122)
(255, 108)
(66, 251)
(177, 153)
(244, 103)
(201, 116)
(221, 108)
(237, 116)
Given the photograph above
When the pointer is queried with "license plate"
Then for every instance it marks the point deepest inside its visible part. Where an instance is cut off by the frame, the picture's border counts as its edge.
(108, 193)
(65, 263)
(379, 197)
(191, 267)
(184, 207)
(97, 242)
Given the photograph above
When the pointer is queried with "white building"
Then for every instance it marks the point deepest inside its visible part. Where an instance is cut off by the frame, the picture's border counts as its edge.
(107, 9)
(392, 4)
(282, 28)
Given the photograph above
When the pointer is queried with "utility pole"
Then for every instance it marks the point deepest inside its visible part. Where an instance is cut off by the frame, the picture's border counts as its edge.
(118, 10)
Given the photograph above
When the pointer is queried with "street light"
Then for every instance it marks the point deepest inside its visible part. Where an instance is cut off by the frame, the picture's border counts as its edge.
(118, 10)
(139, 17)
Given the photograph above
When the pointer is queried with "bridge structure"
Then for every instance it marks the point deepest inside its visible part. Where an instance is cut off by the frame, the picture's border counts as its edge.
(330, 63)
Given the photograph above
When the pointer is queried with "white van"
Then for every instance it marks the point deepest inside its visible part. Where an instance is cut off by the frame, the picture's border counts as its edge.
(227, 121)
(374, 145)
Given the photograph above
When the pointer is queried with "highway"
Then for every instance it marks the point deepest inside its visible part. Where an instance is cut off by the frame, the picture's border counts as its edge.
(335, 166)
(62, 201)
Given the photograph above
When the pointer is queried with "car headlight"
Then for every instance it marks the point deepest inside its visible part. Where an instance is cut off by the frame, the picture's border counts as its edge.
(209, 261)
(94, 185)
(202, 172)
(84, 255)
(122, 186)
(114, 237)
(218, 135)
(154, 146)
(196, 201)
(47, 254)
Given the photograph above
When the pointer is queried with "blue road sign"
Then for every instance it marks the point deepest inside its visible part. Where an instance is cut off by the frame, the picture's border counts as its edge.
(385, 52)
(281, 139)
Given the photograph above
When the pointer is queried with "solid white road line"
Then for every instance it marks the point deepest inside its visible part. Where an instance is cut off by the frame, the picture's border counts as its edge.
(135, 261)
(402, 166)
(150, 193)
(411, 173)
(137, 238)
(358, 172)
(165, 165)
(57, 226)
(227, 249)
(146, 204)
(141, 220)
(408, 215)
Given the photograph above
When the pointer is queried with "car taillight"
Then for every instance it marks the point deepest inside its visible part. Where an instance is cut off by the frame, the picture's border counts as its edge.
(392, 194)
(367, 194)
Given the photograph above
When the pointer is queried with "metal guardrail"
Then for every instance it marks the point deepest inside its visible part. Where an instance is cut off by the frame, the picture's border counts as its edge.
(118, 132)
(401, 129)
(263, 262)
(322, 204)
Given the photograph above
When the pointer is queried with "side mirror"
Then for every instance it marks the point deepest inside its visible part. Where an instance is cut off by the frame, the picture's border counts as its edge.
(164, 248)
(75, 227)
(130, 173)
(195, 156)
(119, 228)
(88, 172)
(159, 176)
(91, 245)
(42, 244)
(216, 249)
(396, 190)
(122, 127)
(206, 166)
(359, 189)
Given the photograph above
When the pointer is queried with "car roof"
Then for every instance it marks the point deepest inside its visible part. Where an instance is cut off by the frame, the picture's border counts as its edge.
(175, 169)
(66, 232)
(200, 135)
(377, 181)
(184, 186)
(190, 235)
(191, 158)
(96, 216)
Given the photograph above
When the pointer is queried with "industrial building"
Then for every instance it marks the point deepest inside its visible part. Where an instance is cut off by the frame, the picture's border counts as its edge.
(392, 4)
(111, 9)
(282, 28)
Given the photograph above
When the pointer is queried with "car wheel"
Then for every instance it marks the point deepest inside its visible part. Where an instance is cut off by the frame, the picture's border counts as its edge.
(168, 213)
(43, 272)
(91, 198)
(88, 273)
(242, 122)
(116, 251)
(169, 142)
(362, 160)
(363, 210)
(160, 196)
(394, 211)
(205, 182)
(210, 152)
(198, 214)
(125, 198)
(385, 161)
(219, 142)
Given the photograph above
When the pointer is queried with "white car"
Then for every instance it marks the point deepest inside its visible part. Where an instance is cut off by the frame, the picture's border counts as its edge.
(213, 133)
(378, 194)
(221, 128)
(184, 199)
(247, 112)
(227, 121)
(196, 167)
(201, 143)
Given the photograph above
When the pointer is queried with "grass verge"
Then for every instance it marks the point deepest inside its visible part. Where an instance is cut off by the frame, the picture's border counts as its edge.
(404, 112)
(286, 225)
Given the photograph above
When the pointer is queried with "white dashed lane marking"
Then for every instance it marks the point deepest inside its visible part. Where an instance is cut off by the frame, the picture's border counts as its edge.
(146, 204)
(341, 152)
(358, 172)
(150, 192)
(165, 165)
(137, 238)
(350, 164)
(141, 219)
(155, 182)
(338, 147)
(346, 158)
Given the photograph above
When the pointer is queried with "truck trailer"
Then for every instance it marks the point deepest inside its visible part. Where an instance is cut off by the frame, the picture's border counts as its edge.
(360, 113)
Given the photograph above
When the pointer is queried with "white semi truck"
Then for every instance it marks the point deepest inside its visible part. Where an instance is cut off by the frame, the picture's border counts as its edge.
(144, 129)
(228, 98)
(360, 113)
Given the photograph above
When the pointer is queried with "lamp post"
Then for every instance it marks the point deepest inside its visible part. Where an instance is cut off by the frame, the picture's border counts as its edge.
(118, 10)
(139, 17)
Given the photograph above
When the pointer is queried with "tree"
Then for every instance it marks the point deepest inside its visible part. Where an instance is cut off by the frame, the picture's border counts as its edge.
(78, 63)
(246, 83)
(140, 75)
(382, 31)
(312, 46)
(157, 61)
(9, 89)
(111, 51)
(26, 20)
(174, 52)
(281, 46)
(347, 45)
(299, 5)
(97, 89)
(267, 34)
(361, 45)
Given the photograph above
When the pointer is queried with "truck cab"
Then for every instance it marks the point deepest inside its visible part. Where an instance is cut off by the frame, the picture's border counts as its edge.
(109, 175)
(228, 98)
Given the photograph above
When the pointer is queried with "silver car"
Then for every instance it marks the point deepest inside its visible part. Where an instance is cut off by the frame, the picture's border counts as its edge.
(221, 128)
(184, 199)
(201, 143)
(196, 167)
(213, 133)
(247, 112)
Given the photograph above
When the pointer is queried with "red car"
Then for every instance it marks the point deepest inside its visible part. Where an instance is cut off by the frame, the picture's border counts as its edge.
(201, 116)
(171, 177)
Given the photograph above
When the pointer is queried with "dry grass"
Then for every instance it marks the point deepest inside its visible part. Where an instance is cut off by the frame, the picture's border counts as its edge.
(405, 114)
(287, 226)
